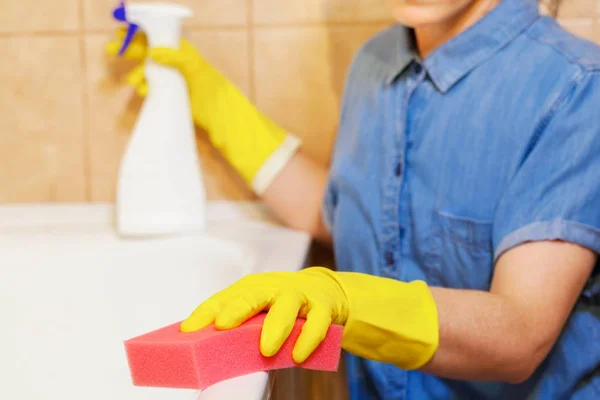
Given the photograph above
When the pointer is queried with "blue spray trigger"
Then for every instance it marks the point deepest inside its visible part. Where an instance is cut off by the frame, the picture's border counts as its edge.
(130, 34)
(120, 14)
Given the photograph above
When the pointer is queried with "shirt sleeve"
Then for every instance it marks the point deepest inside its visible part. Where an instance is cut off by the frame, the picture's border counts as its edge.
(555, 194)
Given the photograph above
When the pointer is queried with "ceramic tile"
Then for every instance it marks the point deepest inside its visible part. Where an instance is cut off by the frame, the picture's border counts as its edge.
(114, 108)
(226, 50)
(31, 15)
(98, 13)
(279, 12)
(300, 75)
(41, 124)
(221, 181)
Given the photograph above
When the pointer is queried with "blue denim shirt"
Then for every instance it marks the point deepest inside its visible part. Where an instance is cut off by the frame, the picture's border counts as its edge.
(443, 164)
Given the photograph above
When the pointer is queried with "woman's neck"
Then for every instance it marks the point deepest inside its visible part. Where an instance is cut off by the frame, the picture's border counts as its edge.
(431, 36)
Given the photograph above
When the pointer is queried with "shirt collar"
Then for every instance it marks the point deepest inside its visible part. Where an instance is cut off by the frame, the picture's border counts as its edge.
(396, 51)
(464, 52)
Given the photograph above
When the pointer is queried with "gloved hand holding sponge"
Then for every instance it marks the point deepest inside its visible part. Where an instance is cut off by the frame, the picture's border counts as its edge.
(384, 319)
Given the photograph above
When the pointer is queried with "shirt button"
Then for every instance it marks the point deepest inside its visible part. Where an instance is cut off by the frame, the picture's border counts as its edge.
(398, 170)
(418, 69)
(402, 232)
(389, 258)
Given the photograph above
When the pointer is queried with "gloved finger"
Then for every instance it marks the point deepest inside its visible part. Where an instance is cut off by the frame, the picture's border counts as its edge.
(112, 48)
(121, 32)
(136, 77)
(279, 323)
(207, 312)
(136, 50)
(167, 56)
(243, 307)
(204, 315)
(314, 330)
(142, 89)
(114, 45)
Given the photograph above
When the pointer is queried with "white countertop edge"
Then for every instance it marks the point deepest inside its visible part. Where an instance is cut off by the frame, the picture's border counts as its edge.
(36, 215)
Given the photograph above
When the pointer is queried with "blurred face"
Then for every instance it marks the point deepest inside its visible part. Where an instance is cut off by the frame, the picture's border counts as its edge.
(416, 13)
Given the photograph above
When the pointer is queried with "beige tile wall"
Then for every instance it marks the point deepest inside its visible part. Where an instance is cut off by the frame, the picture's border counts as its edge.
(66, 113)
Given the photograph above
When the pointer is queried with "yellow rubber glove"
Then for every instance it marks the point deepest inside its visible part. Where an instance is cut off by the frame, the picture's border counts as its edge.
(254, 145)
(385, 320)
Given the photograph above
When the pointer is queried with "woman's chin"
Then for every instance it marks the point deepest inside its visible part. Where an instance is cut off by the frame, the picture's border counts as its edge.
(415, 13)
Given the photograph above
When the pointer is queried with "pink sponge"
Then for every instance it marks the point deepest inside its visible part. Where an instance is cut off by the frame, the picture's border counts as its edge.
(196, 360)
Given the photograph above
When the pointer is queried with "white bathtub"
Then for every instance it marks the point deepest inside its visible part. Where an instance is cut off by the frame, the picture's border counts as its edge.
(71, 291)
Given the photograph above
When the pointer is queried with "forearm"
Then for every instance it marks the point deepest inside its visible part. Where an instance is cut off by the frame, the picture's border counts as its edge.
(504, 334)
(296, 194)
(483, 336)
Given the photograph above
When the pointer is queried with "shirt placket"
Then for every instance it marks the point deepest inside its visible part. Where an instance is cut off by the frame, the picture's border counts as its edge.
(394, 229)
(395, 196)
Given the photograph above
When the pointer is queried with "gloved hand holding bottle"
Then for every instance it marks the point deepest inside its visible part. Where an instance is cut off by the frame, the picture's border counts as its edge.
(253, 144)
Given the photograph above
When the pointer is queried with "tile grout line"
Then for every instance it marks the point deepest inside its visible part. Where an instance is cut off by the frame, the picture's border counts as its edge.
(43, 33)
(325, 24)
(250, 26)
(98, 31)
(85, 105)
(251, 52)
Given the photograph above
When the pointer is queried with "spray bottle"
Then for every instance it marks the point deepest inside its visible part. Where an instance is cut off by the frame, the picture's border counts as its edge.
(160, 189)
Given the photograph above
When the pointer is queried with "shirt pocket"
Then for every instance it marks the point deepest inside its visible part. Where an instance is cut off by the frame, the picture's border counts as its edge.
(461, 254)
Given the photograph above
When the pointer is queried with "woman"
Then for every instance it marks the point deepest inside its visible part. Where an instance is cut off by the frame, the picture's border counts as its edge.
(462, 204)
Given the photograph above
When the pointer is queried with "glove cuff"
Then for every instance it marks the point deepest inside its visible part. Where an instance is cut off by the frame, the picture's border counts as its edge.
(273, 165)
(389, 320)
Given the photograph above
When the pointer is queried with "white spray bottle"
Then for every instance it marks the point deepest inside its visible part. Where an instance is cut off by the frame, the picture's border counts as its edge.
(160, 189)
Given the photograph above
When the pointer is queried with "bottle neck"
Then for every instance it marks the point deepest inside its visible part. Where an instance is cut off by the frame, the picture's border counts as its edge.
(161, 31)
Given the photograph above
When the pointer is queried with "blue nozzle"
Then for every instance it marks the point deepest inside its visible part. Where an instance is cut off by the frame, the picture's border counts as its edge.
(120, 15)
